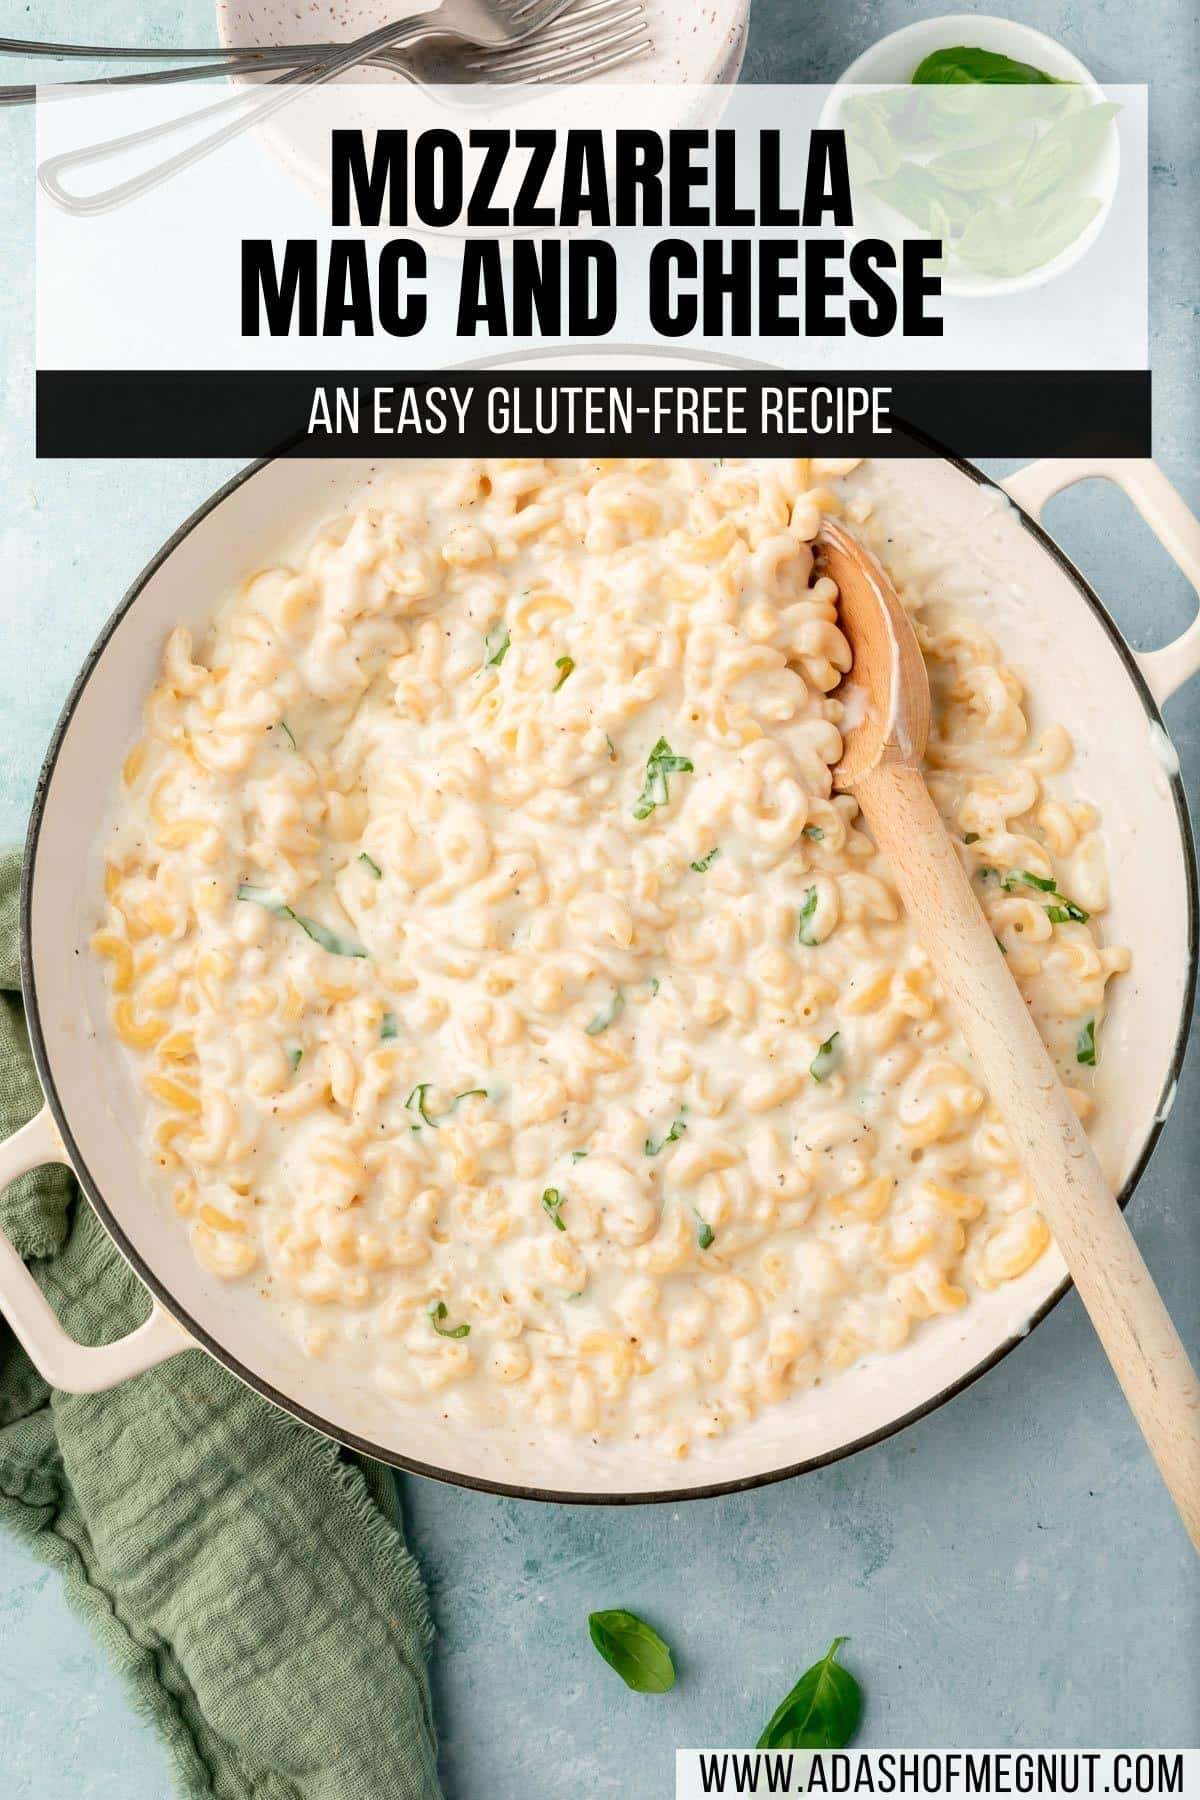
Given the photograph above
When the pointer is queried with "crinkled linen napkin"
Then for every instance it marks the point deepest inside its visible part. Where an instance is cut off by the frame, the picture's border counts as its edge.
(249, 1579)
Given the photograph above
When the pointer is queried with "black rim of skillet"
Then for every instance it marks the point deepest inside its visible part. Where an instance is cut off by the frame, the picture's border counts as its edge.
(513, 1490)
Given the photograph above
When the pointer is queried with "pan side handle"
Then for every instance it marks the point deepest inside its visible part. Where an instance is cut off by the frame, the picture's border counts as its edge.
(1171, 520)
(73, 1368)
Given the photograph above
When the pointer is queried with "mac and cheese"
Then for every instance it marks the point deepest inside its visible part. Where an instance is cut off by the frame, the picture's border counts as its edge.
(508, 989)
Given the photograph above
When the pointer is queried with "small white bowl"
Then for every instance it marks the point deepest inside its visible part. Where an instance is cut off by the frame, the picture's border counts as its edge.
(894, 59)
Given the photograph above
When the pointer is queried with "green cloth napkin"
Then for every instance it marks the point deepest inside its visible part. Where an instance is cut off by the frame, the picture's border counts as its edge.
(247, 1577)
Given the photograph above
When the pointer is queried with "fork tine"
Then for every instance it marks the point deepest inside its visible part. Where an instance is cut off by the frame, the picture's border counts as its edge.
(583, 25)
(576, 15)
(580, 64)
(526, 12)
(532, 60)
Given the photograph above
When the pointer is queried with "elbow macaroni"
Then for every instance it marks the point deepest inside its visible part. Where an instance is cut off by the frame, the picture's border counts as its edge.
(509, 990)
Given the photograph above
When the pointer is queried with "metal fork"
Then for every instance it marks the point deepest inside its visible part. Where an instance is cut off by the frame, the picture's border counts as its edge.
(588, 40)
(487, 24)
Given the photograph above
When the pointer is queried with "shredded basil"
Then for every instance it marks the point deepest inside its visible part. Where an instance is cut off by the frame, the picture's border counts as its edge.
(495, 644)
(552, 1204)
(468, 1094)
(678, 1127)
(320, 934)
(567, 665)
(264, 897)
(416, 1103)
(655, 984)
(287, 732)
(661, 762)
(328, 940)
(1062, 910)
(705, 1235)
(706, 862)
(578, 1155)
(370, 865)
(604, 1019)
(972, 837)
(1023, 878)
(827, 1058)
(437, 1312)
(808, 907)
(295, 1057)
(612, 748)
(389, 1026)
(1085, 1044)
(814, 832)
(1067, 910)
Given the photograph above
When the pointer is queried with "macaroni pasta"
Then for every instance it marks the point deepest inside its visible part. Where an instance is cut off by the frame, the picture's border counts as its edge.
(509, 991)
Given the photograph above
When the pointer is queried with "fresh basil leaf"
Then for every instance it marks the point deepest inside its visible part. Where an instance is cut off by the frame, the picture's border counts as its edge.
(416, 1103)
(977, 167)
(656, 791)
(1063, 152)
(287, 732)
(634, 1649)
(867, 125)
(963, 63)
(495, 645)
(1012, 241)
(814, 832)
(295, 1057)
(1085, 1044)
(826, 1060)
(468, 1094)
(808, 907)
(914, 191)
(605, 1018)
(706, 862)
(389, 1027)
(552, 1205)
(706, 1237)
(567, 665)
(437, 1312)
(821, 1712)
(371, 866)
(678, 1127)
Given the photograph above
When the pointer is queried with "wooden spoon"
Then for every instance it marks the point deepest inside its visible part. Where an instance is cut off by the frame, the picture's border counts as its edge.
(880, 766)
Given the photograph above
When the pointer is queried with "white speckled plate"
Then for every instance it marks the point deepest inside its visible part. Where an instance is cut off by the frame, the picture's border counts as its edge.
(694, 46)
(692, 43)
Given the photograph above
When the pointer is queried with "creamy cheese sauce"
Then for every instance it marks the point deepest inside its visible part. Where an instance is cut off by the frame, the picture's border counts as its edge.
(507, 990)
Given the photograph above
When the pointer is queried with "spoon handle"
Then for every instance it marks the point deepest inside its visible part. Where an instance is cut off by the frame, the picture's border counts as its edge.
(1077, 1203)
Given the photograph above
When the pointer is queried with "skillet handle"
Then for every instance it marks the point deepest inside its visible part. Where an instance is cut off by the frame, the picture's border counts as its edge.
(1173, 523)
(73, 1368)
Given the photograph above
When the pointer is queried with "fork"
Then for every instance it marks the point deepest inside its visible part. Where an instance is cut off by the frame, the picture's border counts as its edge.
(589, 40)
(487, 24)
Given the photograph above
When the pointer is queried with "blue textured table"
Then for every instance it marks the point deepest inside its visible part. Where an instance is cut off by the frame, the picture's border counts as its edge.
(1009, 1571)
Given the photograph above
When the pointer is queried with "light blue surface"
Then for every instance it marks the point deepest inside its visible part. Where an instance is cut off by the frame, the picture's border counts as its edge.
(1009, 1571)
